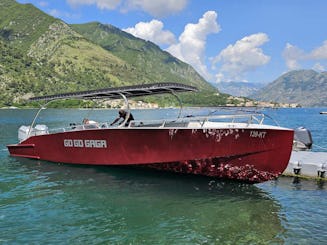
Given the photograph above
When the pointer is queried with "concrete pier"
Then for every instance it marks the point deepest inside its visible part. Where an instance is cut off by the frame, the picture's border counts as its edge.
(307, 164)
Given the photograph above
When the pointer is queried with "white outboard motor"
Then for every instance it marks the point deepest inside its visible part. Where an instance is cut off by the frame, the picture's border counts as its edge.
(23, 132)
(302, 139)
(39, 129)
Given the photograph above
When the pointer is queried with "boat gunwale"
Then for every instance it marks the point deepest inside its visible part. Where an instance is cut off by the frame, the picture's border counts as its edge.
(199, 122)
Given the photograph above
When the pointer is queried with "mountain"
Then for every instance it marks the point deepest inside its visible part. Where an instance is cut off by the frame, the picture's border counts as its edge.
(43, 55)
(242, 89)
(304, 87)
(22, 24)
(143, 55)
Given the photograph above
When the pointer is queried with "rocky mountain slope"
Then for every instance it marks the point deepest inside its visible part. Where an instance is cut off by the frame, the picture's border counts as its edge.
(243, 89)
(304, 87)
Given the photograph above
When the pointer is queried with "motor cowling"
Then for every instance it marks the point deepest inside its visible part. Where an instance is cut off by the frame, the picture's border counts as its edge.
(25, 131)
(302, 139)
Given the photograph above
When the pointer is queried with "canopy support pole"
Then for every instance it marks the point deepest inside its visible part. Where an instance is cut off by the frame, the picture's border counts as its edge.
(36, 115)
(180, 104)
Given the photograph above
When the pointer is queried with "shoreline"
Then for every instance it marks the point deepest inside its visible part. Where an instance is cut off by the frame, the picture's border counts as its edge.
(160, 108)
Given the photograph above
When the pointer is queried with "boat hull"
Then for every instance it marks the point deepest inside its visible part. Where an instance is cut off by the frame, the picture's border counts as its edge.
(249, 154)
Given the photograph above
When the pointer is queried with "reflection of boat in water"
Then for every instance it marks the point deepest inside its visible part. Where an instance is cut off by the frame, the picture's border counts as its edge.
(237, 146)
(147, 203)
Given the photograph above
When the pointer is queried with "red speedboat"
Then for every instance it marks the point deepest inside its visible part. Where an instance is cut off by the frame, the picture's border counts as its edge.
(236, 146)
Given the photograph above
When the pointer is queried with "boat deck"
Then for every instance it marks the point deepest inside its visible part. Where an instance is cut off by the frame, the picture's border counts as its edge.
(217, 121)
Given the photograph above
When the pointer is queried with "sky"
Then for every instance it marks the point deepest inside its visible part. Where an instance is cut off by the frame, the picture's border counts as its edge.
(224, 40)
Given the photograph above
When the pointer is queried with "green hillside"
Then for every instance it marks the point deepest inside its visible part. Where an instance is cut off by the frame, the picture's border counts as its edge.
(22, 24)
(145, 56)
(43, 55)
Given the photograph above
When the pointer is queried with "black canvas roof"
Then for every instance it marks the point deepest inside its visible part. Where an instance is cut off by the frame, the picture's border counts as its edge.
(116, 93)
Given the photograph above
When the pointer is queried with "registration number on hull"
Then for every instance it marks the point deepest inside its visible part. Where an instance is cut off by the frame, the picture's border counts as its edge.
(85, 143)
(258, 134)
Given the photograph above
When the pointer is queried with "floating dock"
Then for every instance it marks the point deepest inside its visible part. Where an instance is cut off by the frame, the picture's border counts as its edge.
(307, 164)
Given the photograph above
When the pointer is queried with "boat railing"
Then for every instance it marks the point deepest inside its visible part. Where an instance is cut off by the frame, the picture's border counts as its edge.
(162, 123)
(183, 122)
(77, 127)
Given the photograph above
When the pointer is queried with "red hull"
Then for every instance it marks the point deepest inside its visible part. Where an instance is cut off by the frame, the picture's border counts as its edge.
(253, 155)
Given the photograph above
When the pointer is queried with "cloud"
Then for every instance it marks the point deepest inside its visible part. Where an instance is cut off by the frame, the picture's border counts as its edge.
(152, 31)
(43, 4)
(294, 56)
(59, 14)
(319, 53)
(56, 13)
(192, 42)
(245, 55)
(219, 77)
(101, 4)
(318, 67)
(156, 8)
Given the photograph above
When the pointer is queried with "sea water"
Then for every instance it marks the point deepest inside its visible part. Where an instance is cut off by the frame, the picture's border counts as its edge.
(50, 203)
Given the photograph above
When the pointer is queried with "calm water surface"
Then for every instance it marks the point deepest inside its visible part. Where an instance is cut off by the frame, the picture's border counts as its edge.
(51, 203)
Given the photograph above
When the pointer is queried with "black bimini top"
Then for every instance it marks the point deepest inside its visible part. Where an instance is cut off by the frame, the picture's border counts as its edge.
(127, 91)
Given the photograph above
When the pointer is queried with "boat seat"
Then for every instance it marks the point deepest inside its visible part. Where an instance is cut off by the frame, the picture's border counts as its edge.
(177, 124)
(151, 125)
(90, 126)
